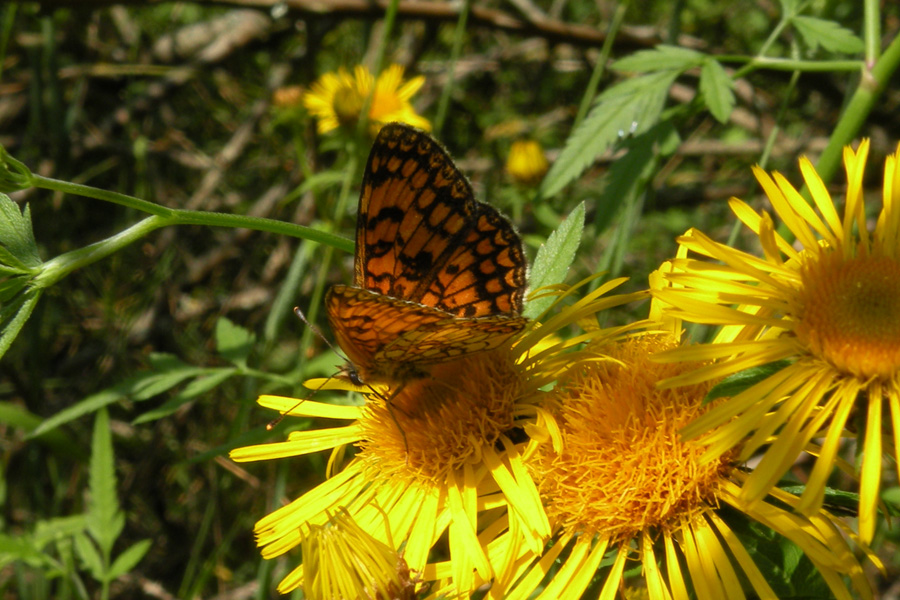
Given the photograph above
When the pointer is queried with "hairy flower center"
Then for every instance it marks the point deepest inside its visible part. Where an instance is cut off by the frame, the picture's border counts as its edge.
(849, 313)
(441, 422)
(347, 105)
(625, 467)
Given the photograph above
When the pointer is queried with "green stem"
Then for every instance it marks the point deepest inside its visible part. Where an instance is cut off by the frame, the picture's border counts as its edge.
(871, 85)
(175, 216)
(872, 31)
(78, 189)
(459, 35)
(55, 269)
(756, 63)
(390, 16)
(591, 91)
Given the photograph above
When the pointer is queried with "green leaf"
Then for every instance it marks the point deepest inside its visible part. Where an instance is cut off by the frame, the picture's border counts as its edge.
(193, 389)
(13, 415)
(633, 169)
(14, 315)
(17, 236)
(140, 387)
(20, 548)
(717, 90)
(554, 257)
(104, 520)
(11, 287)
(320, 181)
(90, 558)
(128, 559)
(14, 175)
(286, 297)
(234, 343)
(661, 58)
(733, 385)
(632, 106)
(828, 34)
(59, 528)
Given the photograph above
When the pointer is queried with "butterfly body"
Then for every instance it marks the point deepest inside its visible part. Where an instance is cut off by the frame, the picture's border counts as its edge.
(437, 275)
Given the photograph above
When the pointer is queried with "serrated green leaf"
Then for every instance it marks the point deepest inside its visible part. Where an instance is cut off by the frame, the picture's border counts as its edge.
(233, 342)
(14, 315)
(90, 558)
(55, 529)
(140, 387)
(20, 548)
(717, 90)
(828, 34)
(16, 234)
(193, 389)
(128, 559)
(632, 106)
(661, 58)
(735, 384)
(554, 258)
(104, 520)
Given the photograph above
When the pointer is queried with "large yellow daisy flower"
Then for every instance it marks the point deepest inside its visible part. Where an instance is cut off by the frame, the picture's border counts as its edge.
(443, 462)
(626, 488)
(828, 308)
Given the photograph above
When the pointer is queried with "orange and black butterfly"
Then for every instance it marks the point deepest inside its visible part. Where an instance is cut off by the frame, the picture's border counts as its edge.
(437, 276)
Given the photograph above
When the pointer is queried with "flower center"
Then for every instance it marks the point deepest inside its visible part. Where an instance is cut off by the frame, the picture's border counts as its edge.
(441, 422)
(625, 467)
(347, 105)
(849, 313)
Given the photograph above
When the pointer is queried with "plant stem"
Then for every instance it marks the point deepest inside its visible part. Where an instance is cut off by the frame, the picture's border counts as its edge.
(871, 85)
(175, 216)
(459, 35)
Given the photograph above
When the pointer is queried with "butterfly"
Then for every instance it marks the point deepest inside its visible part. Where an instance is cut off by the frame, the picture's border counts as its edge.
(437, 274)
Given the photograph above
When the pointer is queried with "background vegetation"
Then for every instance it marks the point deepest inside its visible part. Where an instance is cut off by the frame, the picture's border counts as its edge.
(167, 342)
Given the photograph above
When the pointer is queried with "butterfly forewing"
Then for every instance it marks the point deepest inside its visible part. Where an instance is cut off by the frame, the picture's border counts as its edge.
(438, 275)
(418, 221)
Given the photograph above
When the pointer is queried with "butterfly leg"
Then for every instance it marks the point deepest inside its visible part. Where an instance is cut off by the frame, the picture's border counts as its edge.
(389, 405)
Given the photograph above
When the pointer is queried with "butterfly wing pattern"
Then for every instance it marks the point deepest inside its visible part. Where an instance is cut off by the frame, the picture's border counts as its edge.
(437, 275)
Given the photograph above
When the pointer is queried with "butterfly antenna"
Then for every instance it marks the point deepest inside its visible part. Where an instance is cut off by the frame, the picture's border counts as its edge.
(317, 331)
(274, 422)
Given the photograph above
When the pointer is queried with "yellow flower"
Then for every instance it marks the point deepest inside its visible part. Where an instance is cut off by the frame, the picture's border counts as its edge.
(343, 561)
(830, 311)
(626, 486)
(526, 163)
(443, 462)
(337, 99)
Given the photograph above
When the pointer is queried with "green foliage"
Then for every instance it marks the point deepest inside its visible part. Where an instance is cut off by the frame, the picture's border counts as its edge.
(93, 535)
(553, 260)
(828, 34)
(630, 107)
(182, 216)
(735, 384)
